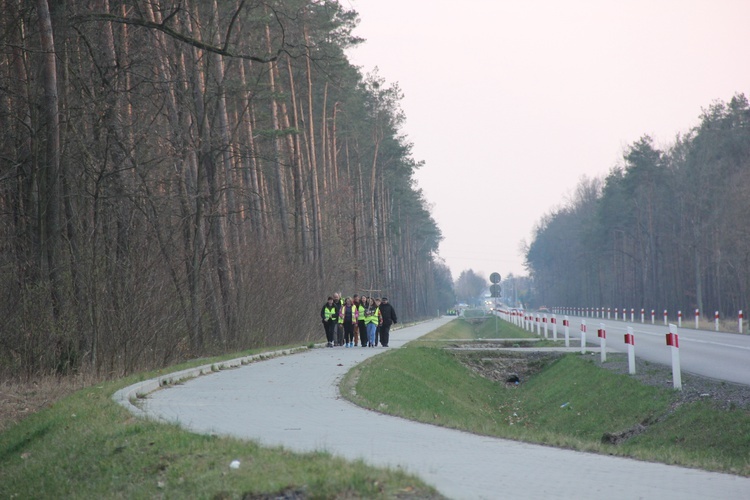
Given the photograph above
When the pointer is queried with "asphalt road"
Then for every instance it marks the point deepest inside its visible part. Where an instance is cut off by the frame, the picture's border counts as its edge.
(293, 401)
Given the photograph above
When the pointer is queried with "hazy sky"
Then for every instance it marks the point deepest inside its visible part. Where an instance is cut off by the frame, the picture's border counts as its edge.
(511, 103)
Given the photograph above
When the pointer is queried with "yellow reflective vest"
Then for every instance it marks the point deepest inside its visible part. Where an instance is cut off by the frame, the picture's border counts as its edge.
(374, 317)
(329, 313)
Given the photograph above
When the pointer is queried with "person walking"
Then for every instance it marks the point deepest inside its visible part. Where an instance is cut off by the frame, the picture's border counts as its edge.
(348, 318)
(329, 318)
(377, 330)
(361, 324)
(356, 304)
(372, 320)
(388, 315)
(338, 328)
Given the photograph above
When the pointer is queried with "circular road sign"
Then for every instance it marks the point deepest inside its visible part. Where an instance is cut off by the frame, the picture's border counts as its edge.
(495, 278)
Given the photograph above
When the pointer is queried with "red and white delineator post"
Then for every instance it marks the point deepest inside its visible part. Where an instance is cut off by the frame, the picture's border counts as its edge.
(679, 319)
(544, 320)
(553, 320)
(673, 342)
(583, 336)
(617, 313)
(739, 319)
(632, 315)
(566, 326)
(653, 315)
(630, 342)
(697, 318)
(602, 333)
(716, 320)
(643, 315)
(665, 317)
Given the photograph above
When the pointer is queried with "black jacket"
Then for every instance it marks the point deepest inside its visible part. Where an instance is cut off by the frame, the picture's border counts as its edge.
(388, 313)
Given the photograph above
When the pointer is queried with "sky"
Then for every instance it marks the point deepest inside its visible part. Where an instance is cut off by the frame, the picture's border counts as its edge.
(510, 104)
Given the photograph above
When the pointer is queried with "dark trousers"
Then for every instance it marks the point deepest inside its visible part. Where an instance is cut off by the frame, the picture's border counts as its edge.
(362, 333)
(348, 332)
(385, 333)
(329, 326)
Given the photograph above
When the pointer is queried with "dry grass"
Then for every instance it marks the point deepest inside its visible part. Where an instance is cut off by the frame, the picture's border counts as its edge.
(21, 398)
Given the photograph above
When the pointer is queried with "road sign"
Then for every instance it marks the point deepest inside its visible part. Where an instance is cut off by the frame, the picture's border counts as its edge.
(495, 278)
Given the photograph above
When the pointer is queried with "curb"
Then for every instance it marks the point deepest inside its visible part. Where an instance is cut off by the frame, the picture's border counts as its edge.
(128, 396)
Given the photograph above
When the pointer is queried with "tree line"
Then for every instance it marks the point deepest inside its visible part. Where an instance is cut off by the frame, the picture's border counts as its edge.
(665, 229)
(182, 178)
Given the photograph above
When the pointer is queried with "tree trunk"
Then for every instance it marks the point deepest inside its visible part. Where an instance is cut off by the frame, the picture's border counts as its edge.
(49, 192)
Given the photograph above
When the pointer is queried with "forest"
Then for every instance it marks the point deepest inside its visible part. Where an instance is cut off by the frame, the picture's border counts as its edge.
(666, 229)
(186, 178)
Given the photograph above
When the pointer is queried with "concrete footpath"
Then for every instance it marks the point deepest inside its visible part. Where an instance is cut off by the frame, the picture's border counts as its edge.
(293, 401)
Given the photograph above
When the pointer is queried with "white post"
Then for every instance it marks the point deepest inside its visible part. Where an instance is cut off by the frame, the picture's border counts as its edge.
(616, 313)
(544, 320)
(679, 319)
(697, 318)
(665, 317)
(673, 341)
(716, 320)
(566, 325)
(603, 342)
(583, 336)
(632, 315)
(609, 313)
(643, 315)
(554, 327)
(740, 321)
(653, 315)
(630, 342)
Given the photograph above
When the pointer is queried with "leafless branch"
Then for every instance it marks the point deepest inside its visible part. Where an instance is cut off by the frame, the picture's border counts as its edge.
(180, 36)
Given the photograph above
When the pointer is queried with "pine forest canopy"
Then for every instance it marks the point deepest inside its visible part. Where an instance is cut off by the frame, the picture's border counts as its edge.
(665, 230)
(180, 178)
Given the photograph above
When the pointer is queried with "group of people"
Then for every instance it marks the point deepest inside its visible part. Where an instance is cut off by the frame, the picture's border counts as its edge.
(356, 321)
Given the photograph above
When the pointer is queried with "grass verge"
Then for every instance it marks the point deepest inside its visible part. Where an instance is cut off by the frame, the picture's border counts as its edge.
(569, 402)
(87, 446)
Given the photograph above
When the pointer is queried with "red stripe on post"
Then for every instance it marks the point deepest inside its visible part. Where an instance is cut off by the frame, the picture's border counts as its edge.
(601, 333)
(673, 340)
(629, 339)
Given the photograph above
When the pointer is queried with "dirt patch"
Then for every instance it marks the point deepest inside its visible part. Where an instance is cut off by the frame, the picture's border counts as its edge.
(19, 399)
(503, 366)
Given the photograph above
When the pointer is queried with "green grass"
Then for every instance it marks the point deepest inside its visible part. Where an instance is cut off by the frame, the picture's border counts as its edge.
(475, 328)
(87, 446)
(570, 403)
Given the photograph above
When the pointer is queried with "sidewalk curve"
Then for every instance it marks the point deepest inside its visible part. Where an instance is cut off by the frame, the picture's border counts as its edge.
(293, 401)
